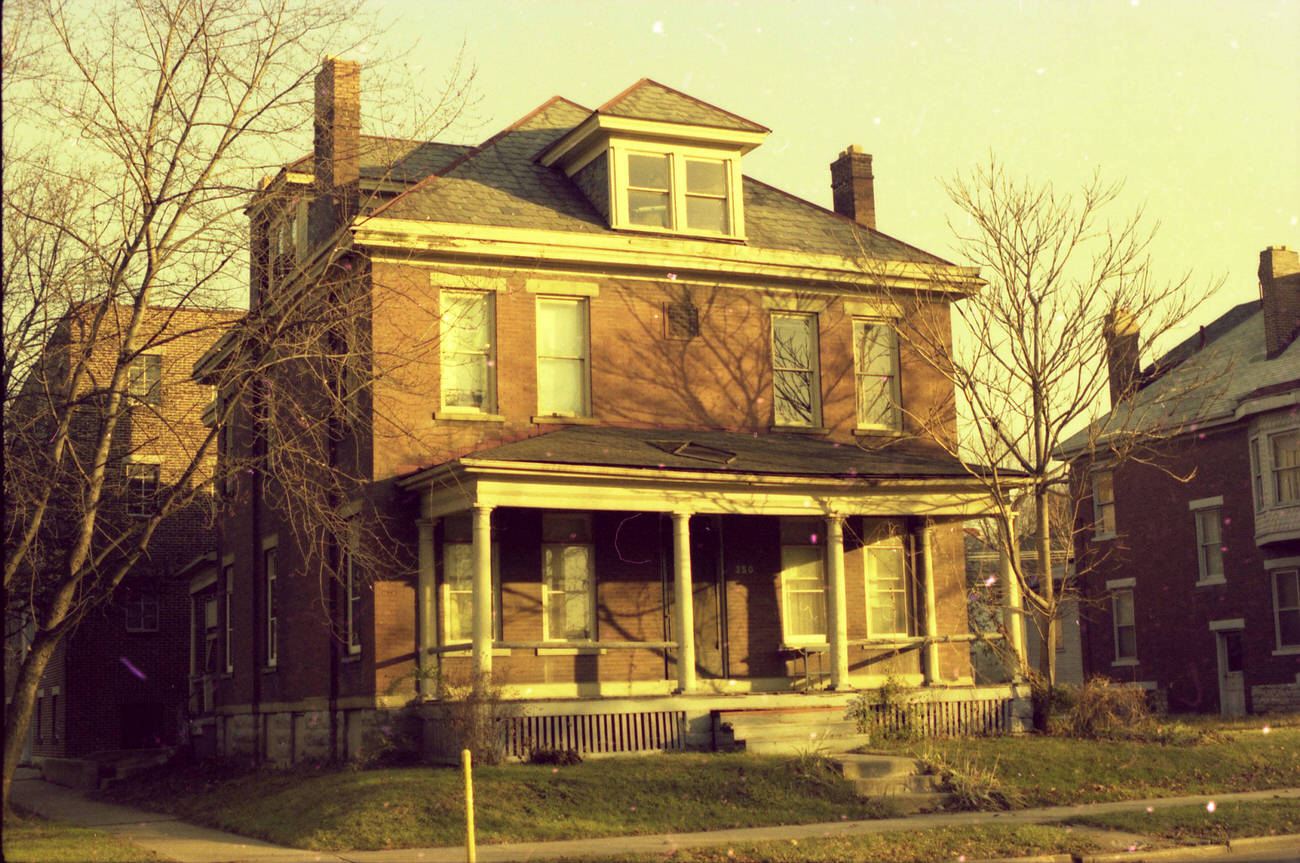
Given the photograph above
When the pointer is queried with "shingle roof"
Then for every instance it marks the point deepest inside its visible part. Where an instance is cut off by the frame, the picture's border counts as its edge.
(500, 183)
(650, 100)
(397, 159)
(725, 452)
(1202, 379)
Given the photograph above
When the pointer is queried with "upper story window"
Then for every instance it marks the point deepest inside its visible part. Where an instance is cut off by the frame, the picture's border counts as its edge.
(144, 378)
(1103, 504)
(875, 366)
(681, 190)
(563, 352)
(1284, 452)
(1256, 475)
(796, 390)
(468, 352)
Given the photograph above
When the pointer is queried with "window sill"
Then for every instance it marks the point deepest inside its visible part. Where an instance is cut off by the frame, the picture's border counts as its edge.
(1211, 581)
(1125, 663)
(496, 651)
(269, 669)
(1290, 650)
(818, 430)
(455, 416)
(814, 646)
(877, 432)
(1103, 537)
(561, 420)
(571, 651)
(351, 658)
(649, 231)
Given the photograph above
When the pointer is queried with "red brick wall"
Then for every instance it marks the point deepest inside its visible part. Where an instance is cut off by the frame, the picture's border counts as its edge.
(1157, 547)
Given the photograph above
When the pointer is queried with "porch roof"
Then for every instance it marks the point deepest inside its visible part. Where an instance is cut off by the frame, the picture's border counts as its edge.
(599, 467)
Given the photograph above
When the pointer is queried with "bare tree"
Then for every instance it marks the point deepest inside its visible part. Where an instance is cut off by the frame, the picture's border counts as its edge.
(134, 132)
(1028, 361)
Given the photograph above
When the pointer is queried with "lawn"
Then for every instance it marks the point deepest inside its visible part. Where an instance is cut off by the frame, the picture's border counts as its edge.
(32, 839)
(1205, 823)
(1038, 770)
(422, 806)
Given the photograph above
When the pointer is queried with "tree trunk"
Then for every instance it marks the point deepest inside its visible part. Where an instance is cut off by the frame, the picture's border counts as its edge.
(18, 715)
(1047, 587)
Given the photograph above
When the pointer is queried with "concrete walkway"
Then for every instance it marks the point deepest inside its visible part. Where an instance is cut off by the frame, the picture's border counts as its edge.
(188, 843)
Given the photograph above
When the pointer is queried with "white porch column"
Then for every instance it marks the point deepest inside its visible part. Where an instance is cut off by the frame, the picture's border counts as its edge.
(930, 653)
(837, 616)
(425, 632)
(684, 621)
(1013, 618)
(482, 593)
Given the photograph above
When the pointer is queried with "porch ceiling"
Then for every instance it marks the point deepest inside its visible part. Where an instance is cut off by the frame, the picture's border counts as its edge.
(663, 470)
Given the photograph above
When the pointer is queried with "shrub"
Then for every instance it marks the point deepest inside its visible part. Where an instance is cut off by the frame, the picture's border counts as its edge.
(469, 712)
(1106, 709)
(885, 713)
(968, 785)
(561, 757)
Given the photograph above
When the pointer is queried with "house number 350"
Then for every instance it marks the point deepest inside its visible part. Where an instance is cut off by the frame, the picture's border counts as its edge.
(744, 569)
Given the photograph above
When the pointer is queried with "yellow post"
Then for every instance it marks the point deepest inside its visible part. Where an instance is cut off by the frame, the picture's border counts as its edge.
(470, 855)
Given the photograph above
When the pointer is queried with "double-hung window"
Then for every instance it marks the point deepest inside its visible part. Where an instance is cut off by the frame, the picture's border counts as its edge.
(272, 631)
(1286, 608)
(803, 581)
(1256, 475)
(875, 367)
(458, 582)
(690, 192)
(468, 351)
(230, 617)
(353, 582)
(1284, 449)
(568, 578)
(563, 351)
(142, 611)
(210, 631)
(144, 378)
(796, 391)
(1103, 504)
(886, 589)
(141, 488)
(1209, 543)
(1125, 626)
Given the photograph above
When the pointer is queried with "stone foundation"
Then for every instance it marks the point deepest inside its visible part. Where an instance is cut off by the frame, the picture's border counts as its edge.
(1275, 698)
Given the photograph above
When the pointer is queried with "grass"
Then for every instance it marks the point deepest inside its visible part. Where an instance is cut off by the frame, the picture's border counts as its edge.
(423, 806)
(1036, 770)
(1199, 824)
(32, 839)
(895, 846)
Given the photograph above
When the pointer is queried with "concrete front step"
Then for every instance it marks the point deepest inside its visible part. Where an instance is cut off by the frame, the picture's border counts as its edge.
(894, 778)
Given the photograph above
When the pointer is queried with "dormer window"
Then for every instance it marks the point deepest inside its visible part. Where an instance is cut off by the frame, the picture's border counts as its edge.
(684, 190)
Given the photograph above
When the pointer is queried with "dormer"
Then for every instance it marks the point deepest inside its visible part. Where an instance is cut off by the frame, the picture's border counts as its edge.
(655, 160)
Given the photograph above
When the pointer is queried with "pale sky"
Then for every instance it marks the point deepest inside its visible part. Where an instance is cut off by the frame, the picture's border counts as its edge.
(1194, 104)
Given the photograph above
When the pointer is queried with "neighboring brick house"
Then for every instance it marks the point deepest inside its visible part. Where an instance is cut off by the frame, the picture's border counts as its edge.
(660, 397)
(1194, 583)
(118, 680)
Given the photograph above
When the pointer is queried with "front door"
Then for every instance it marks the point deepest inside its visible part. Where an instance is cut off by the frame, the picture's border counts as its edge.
(706, 572)
(1232, 685)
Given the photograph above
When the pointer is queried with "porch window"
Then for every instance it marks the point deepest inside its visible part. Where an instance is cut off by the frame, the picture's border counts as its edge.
(803, 581)
(1286, 608)
(1125, 627)
(796, 390)
(887, 589)
(468, 367)
(568, 578)
(458, 582)
(875, 364)
(562, 357)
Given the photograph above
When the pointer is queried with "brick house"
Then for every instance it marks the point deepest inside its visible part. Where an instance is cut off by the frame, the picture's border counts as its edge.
(1192, 553)
(620, 392)
(116, 681)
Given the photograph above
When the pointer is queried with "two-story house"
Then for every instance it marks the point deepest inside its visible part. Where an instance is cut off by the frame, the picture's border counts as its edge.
(647, 436)
(117, 680)
(1192, 552)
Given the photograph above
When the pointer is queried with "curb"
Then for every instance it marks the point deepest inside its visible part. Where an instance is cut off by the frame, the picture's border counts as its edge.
(1288, 842)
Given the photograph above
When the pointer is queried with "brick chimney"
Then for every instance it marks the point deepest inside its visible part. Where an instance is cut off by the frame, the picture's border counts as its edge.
(1279, 288)
(337, 147)
(853, 188)
(1123, 362)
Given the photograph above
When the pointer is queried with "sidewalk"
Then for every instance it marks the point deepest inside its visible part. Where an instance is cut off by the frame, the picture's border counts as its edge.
(188, 843)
